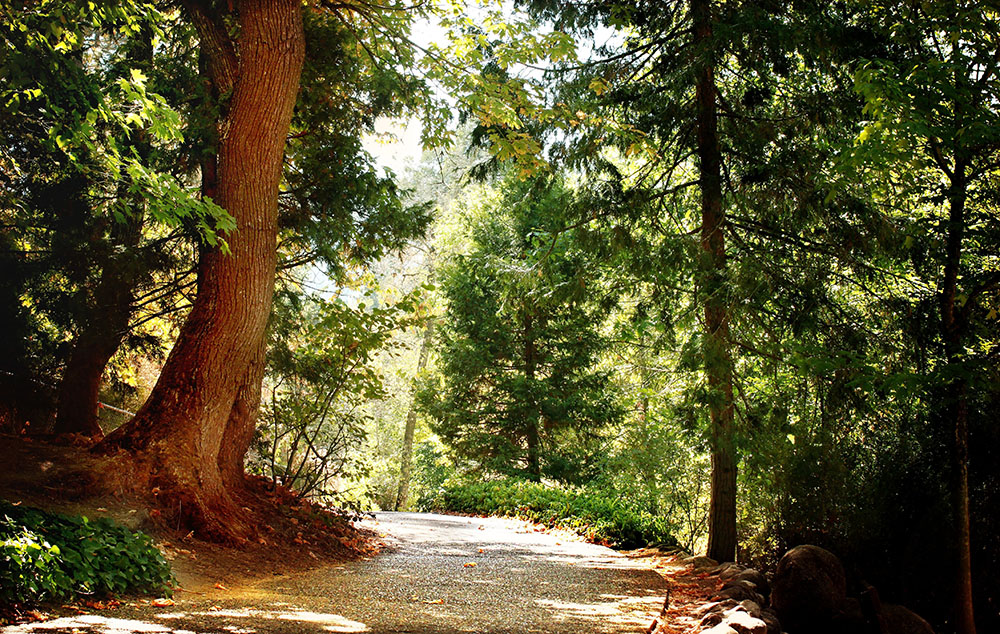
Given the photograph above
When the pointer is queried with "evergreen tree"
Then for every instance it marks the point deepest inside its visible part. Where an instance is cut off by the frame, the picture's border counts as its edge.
(519, 391)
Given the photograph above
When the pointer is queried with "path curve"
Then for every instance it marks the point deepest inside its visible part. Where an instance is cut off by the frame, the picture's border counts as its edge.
(439, 574)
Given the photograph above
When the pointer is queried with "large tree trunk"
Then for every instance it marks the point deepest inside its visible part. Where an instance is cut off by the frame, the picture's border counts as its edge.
(406, 456)
(952, 330)
(193, 430)
(717, 356)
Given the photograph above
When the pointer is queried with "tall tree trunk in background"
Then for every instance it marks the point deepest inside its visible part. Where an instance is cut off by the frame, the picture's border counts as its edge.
(406, 456)
(717, 357)
(531, 409)
(207, 393)
(101, 336)
(957, 402)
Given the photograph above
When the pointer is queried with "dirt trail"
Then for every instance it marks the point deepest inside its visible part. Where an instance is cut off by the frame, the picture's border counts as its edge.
(440, 574)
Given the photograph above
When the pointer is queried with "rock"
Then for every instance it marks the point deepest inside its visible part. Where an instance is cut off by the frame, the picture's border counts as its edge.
(745, 623)
(711, 620)
(901, 620)
(850, 619)
(716, 606)
(751, 607)
(701, 562)
(755, 577)
(740, 583)
(808, 589)
(771, 619)
(726, 570)
(721, 628)
(738, 593)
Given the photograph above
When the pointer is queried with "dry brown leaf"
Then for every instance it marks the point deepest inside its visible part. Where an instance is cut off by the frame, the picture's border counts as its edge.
(162, 603)
(219, 586)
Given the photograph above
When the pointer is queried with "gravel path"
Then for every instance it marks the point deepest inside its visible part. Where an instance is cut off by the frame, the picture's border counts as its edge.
(440, 574)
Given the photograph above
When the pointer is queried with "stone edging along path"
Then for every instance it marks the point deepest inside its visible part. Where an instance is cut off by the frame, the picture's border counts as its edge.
(806, 594)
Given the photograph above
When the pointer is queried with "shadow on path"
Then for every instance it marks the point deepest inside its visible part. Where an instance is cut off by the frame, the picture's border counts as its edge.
(441, 574)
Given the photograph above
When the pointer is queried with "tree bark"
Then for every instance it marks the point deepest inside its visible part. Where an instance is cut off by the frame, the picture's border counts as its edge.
(531, 410)
(406, 456)
(191, 433)
(957, 403)
(717, 356)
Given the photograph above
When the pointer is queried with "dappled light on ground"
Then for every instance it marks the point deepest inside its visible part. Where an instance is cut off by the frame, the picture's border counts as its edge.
(439, 574)
(234, 621)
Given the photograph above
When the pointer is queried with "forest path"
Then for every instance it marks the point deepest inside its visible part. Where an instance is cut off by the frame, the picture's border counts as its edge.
(523, 581)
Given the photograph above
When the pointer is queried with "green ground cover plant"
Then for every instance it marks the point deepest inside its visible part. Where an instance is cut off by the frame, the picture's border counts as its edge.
(46, 556)
(593, 515)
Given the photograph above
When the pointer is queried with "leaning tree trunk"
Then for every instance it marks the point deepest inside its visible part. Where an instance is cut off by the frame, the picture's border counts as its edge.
(717, 358)
(192, 432)
(406, 456)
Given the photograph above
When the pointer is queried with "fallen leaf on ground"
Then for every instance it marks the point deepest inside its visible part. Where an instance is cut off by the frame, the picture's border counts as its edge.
(219, 586)
(95, 605)
(469, 564)
(434, 601)
(162, 603)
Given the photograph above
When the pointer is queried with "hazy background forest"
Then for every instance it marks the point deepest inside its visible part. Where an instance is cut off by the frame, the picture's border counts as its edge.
(724, 275)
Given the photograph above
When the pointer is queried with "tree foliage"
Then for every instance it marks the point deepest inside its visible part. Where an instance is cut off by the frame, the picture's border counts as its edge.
(520, 390)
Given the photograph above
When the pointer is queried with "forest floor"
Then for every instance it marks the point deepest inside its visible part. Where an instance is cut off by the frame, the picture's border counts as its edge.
(66, 478)
(401, 572)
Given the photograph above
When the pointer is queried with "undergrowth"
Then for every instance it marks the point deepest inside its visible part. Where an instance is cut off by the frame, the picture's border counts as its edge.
(47, 556)
(593, 515)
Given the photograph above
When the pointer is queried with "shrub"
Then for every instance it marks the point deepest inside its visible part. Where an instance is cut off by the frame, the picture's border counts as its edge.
(589, 513)
(49, 556)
